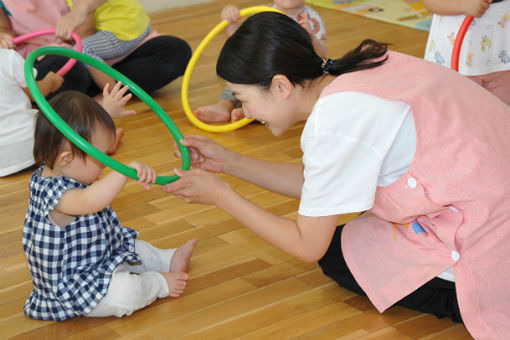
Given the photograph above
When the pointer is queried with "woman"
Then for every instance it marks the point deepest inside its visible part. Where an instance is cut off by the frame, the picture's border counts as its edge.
(420, 147)
(158, 59)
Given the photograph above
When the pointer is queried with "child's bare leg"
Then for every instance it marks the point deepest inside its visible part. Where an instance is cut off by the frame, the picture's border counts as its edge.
(236, 114)
(101, 78)
(181, 257)
(176, 283)
(215, 113)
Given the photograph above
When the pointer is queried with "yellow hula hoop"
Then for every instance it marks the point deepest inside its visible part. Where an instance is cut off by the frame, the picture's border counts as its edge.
(187, 74)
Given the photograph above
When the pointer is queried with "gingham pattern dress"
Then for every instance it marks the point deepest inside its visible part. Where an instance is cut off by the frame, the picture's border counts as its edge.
(71, 266)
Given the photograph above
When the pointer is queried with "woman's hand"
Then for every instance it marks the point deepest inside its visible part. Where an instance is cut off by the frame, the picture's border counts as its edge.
(204, 153)
(114, 101)
(198, 186)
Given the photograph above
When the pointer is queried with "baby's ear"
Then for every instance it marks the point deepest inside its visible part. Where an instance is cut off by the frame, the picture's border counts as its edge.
(65, 158)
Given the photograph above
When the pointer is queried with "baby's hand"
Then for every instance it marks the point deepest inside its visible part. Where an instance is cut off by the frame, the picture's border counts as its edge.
(67, 24)
(6, 41)
(146, 174)
(55, 81)
(232, 14)
(475, 8)
(304, 21)
(114, 101)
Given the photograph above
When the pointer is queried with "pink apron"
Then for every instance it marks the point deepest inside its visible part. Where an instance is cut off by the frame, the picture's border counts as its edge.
(451, 208)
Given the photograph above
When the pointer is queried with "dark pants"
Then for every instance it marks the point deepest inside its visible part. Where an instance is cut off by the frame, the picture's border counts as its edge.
(435, 297)
(151, 66)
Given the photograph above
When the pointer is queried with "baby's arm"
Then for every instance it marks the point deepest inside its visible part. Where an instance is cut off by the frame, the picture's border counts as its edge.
(78, 15)
(87, 28)
(319, 45)
(50, 83)
(475, 8)
(101, 193)
(232, 14)
(113, 102)
(6, 33)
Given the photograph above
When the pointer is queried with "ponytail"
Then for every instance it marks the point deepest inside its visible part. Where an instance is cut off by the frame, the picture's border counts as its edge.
(367, 55)
(271, 43)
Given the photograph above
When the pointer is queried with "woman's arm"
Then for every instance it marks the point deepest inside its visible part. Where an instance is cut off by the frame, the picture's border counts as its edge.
(283, 178)
(307, 238)
(474, 8)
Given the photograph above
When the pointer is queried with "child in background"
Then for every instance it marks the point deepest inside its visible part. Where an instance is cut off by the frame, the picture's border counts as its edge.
(121, 25)
(485, 53)
(16, 112)
(82, 260)
(228, 108)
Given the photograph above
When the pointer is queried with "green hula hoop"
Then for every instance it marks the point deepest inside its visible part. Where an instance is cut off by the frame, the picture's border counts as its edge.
(77, 139)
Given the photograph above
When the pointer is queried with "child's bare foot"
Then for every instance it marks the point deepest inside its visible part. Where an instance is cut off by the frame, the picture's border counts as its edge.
(176, 283)
(236, 114)
(119, 134)
(215, 113)
(180, 260)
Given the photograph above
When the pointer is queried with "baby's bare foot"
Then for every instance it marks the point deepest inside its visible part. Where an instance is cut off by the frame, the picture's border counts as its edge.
(119, 134)
(236, 114)
(176, 283)
(216, 113)
(180, 260)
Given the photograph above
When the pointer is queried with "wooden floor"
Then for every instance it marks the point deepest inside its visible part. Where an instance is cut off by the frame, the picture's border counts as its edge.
(240, 287)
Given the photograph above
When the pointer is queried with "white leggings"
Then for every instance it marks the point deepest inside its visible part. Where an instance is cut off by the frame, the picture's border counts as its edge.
(133, 287)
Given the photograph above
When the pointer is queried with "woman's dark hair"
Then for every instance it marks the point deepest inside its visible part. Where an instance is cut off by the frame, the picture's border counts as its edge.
(82, 113)
(270, 43)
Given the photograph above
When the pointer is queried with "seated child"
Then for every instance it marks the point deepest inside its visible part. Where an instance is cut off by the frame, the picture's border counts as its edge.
(228, 108)
(16, 113)
(83, 262)
(120, 27)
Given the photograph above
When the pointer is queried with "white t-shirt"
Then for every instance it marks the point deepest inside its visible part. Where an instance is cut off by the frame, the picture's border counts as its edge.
(486, 45)
(352, 142)
(16, 115)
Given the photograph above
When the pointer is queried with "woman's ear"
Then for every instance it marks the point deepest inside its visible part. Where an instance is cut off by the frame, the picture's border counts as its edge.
(282, 86)
(64, 158)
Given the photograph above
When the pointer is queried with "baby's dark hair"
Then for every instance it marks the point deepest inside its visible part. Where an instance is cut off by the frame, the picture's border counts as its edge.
(82, 113)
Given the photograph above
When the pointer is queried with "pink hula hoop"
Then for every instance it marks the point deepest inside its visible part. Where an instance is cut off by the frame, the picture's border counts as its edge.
(458, 42)
(70, 63)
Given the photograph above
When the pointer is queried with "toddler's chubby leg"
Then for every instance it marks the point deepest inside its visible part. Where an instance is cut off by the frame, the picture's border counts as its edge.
(176, 283)
(174, 260)
(181, 257)
(129, 292)
(215, 113)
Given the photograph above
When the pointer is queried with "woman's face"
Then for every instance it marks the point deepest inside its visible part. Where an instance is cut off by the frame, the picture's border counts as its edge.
(271, 106)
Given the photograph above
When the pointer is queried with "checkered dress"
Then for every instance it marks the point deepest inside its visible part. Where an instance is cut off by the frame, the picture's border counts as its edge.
(71, 266)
